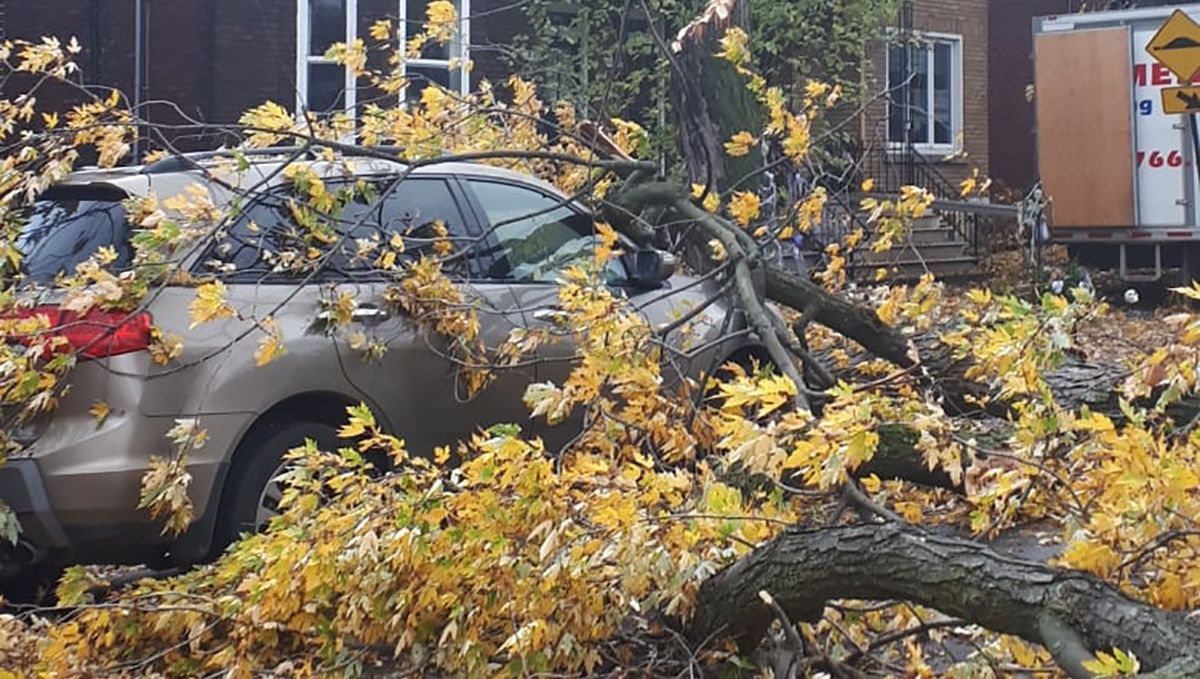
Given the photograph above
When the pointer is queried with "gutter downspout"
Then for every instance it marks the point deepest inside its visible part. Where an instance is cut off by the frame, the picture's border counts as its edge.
(139, 70)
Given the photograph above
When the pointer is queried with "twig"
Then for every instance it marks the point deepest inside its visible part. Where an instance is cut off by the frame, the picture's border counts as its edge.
(854, 495)
(1143, 552)
(893, 637)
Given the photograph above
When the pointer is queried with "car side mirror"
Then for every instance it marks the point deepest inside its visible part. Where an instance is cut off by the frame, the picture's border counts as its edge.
(649, 268)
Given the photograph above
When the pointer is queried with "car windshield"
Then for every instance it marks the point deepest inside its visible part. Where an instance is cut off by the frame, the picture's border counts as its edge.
(67, 226)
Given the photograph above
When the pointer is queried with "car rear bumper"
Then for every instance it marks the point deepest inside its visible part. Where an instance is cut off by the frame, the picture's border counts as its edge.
(22, 489)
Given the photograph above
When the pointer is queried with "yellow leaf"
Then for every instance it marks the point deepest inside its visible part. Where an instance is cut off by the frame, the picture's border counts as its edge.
(1117, 664)
(739, 145)
(441, 454)
(745, 207)
(271, 346)
(210, 304)
(871, 484)
(381, 30)
(99, 411)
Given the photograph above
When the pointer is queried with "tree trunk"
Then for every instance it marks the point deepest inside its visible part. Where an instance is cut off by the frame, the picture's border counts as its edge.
(712, 104)
(1071, 613)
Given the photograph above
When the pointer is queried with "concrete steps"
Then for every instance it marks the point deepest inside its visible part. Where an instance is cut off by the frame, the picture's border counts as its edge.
(930, 246)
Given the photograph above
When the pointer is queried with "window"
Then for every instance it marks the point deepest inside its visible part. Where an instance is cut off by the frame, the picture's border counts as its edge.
(68, 225)
(925, 74)
(444, 64)
(249, 249)
(538, 236)
(409, 210)
(325, 87)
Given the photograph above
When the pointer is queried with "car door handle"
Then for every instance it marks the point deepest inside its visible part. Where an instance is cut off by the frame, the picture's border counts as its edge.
(363, 314)
(551, 315)
(369, 313)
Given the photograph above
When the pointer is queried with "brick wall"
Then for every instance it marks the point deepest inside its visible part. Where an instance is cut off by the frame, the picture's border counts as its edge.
(254, 56)
(493, 29)
(968, 19)
(178, 70)
(1013, 147)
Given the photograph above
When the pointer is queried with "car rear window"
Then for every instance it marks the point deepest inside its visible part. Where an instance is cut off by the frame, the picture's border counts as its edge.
(67, 225)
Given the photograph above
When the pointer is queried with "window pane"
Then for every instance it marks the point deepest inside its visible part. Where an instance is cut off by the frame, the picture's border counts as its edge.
(67, 226)
(326, 88)
(943, 93)
(410, 210)
(908, 85)
(538, 237)
(246, 249)
(421, 77)
(416, 18)
(895, 93)
(327, 24)
(249, 249)
(920, 95)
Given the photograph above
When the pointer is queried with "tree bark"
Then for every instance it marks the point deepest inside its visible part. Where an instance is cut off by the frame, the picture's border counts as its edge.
(712, 104)
(1071, 613)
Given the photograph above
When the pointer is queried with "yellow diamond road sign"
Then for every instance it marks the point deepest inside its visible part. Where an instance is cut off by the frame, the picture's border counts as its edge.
(1177, 45)
(1181, 99)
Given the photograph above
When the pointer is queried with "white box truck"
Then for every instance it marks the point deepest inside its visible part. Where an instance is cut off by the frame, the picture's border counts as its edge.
(1118, 171)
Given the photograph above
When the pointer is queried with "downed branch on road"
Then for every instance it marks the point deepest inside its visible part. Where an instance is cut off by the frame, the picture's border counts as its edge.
(1071, 613)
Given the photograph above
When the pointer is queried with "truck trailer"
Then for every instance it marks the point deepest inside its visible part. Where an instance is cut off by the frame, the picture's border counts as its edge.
(1119, 170)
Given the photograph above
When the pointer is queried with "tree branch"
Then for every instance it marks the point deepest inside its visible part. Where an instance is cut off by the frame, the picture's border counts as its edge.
(1065, 610)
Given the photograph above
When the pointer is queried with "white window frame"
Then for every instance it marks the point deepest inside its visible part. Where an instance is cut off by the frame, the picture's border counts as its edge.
(304, 59)
(956, 96)
(460, 47)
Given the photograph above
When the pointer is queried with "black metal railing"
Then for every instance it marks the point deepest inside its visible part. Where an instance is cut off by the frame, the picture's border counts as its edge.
(891, 167)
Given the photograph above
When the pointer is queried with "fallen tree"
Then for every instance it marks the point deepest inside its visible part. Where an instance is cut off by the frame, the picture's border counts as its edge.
(526, 561)
(1072, 614)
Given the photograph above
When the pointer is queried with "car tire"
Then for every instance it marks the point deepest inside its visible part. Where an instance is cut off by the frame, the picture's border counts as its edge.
(33, 586)
(252, 475)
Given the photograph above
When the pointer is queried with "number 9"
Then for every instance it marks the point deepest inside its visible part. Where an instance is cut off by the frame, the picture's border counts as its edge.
(1146, 106)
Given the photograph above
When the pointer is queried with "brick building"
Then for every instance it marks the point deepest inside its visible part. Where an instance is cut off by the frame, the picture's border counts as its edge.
(213, 59)
(929, 123)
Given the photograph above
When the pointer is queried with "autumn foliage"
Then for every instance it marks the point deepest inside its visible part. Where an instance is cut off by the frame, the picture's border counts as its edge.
(497, 556)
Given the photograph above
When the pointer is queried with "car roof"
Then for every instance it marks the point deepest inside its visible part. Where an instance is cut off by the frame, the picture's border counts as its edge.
(264, 173)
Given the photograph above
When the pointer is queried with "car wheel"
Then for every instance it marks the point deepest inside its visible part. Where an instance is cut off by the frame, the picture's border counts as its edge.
(32, 586)
(252, 493)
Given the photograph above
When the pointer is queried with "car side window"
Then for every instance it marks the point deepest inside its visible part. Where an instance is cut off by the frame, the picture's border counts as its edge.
(538, 236)
(249, 249)
(411, 210)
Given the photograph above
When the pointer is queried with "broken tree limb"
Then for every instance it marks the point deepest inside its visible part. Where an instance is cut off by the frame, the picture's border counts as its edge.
(1066, 610)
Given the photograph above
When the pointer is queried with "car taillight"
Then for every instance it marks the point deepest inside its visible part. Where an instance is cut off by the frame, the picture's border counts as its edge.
(95, 334)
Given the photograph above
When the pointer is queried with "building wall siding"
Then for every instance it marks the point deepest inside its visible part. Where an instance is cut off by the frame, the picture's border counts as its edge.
(254, 56)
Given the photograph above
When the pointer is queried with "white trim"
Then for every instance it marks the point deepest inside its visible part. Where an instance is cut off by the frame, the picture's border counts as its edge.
(957, 94)
(304, 58)
(462, 43)
(460, 49)
(351, 80)
(302, 47)
(464, 46)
